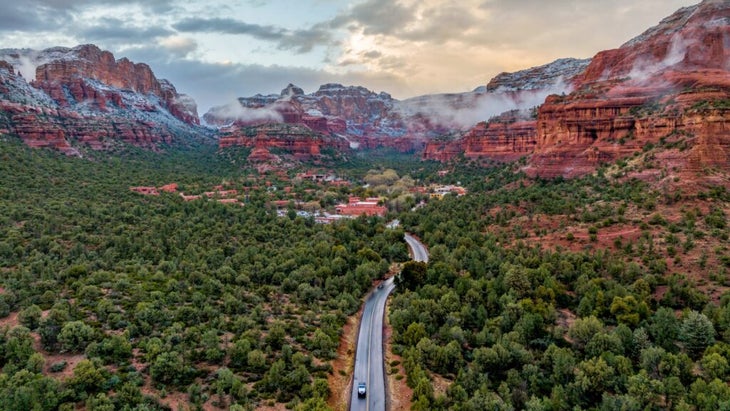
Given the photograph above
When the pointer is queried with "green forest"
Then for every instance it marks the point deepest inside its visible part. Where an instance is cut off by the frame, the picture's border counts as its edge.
(512, 324)
(226, 304)
(110, 300)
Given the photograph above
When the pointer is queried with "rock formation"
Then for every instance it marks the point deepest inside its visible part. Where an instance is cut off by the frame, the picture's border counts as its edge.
(297, 141)
(673, 80)
(559, 72)
(83, 95)
(670, 84)
(503, 138)
(377, 119)
(511, 134)
(333, 109)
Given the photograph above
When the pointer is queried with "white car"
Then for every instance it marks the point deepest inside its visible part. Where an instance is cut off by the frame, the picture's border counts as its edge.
(361, 390)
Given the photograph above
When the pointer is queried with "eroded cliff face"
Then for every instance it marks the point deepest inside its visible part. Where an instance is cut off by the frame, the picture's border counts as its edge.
(669, 87)
(297, 141)
(83, 95)
(512, 134)
(376, 119)
(505, 138)
(333, 109)
(693, 38)
(90, 62)
(89, 75)
(673, 80)
(577, 137)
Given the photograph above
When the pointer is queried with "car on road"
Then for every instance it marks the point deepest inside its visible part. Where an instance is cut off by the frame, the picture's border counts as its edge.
(361, 390)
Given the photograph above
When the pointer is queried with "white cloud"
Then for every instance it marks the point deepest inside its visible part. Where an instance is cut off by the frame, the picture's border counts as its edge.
(404, 47)
(179, 45)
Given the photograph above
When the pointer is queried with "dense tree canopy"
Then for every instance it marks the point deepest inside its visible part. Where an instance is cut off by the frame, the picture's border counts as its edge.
(114, 301)
(228, 304)
(512, 324)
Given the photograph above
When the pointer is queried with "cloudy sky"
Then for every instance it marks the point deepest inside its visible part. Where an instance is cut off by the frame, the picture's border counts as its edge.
(216, 50)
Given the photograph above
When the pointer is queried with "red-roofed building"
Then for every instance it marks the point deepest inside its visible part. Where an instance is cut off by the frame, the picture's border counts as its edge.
(355, 207)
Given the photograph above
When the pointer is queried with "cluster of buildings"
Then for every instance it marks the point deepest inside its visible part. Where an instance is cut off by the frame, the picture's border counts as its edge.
(356, 207)
(438, 192)
(353, 208)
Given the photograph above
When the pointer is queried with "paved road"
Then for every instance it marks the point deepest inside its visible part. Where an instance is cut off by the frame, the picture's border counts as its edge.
(369, 365)
(418, 249)
(369, 356)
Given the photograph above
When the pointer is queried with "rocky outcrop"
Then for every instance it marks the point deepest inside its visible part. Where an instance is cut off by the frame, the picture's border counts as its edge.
(88, 74)
(693, 38)
(501, 141)
(559, 72)
(297, 141)
(57, 129)
(180, 106)
(668, 88)
(90, 62)
(443, 150)
(333, 109)
(377, 119)
(83, 95)
(672, 80)
(503, 138)
(4, 65)
(364, 112)
(576, 138)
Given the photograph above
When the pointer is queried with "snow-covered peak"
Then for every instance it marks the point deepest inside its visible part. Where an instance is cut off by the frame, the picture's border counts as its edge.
(539, 78)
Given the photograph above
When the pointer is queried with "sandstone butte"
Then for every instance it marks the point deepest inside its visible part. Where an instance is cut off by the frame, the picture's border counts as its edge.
(331, 109)
(301, 142)
(672, 82)
(94, 99)
(92, 63)
(355, 114)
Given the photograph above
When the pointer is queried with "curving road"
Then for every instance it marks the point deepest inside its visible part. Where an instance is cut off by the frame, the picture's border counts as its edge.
(418, 250)
(369, 366)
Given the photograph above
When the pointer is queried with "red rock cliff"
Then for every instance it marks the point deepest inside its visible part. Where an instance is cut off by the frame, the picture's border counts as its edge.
(77, 69)
(298, 141)
(670, 83)
(671, 80)
(72, 102)
(510, 135)
(504, 138)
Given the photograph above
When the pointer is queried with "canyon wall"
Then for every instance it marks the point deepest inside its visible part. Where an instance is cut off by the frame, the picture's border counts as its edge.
(83, 95)
(670, 84)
